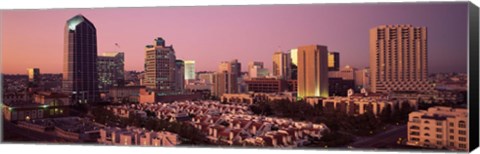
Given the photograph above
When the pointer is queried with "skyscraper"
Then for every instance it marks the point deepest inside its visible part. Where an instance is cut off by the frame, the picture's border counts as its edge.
(227, 77)
(224, 82)
(294, 57)
(333, 61)
(256, 70)
(180, 76)
(189, 69)
(160, 67)
(80, 76)
(111, 72)
(233, 67)
(33, 75)
(282, 65)
(398, 58)
(312, 71)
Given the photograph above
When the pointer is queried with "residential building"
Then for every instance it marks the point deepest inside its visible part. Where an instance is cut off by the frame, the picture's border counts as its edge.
(439, 127)
(399, 59)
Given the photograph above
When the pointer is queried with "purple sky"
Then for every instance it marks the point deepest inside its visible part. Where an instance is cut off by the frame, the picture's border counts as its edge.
(208, 35)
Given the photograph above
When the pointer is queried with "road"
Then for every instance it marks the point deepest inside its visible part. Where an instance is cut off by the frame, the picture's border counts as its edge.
(383, 140)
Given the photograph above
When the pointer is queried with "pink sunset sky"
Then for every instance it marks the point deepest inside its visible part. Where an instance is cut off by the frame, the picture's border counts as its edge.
(211, 34)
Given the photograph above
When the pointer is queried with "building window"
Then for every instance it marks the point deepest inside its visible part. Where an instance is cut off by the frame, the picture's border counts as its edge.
(462, 146)
(426, 128)
(439, 123)
(426, 122)
(439, 129)
(451, 131)
(462, 132)
(452, 138)
(439, 142)
(414, 127)
(451, 124)
(462, 139)
(462, 124)
(439, 136)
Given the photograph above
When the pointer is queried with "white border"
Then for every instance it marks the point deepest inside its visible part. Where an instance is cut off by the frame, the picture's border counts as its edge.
(87, 149)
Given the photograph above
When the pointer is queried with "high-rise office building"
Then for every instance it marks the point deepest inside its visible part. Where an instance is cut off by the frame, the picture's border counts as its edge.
(224, 82)
(227, 78)
(312, 71)
(80, 76)
(111, 72)
(398, 58)
(233, 67)
(293, 56)
(346, 73)
(189, 70)
(256, 70)
(33, 75)
(180, 76)
(160, 67)
(362, 79)
(282, 65)
(333, 61)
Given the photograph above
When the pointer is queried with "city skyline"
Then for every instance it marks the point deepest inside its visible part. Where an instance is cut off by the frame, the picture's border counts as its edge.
(223, 36)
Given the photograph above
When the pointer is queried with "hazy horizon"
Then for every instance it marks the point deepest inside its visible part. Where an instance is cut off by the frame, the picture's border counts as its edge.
(211, 34)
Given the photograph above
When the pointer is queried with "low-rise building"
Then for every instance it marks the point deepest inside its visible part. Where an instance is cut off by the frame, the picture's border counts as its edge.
(439, 127)
(137, 136)
(125, 94)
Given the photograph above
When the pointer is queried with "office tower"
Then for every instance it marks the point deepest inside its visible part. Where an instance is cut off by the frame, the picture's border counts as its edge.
(266, 85)
(224, 82)
(180, 76)
(312, 71)
(256, 70)
(346, 73)
(233, 67)
(282, 65)
(160, 67)
(293, 56)
(80, 76)
(111, 73)
(189, 70)
(398, 58)
(34, 75)
(439, 127)
(339, 86)
(362, 79)
(333, 61)
(206, 77)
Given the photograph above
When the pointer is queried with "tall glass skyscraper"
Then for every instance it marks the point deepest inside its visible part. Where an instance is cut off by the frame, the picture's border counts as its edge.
(80, 78)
